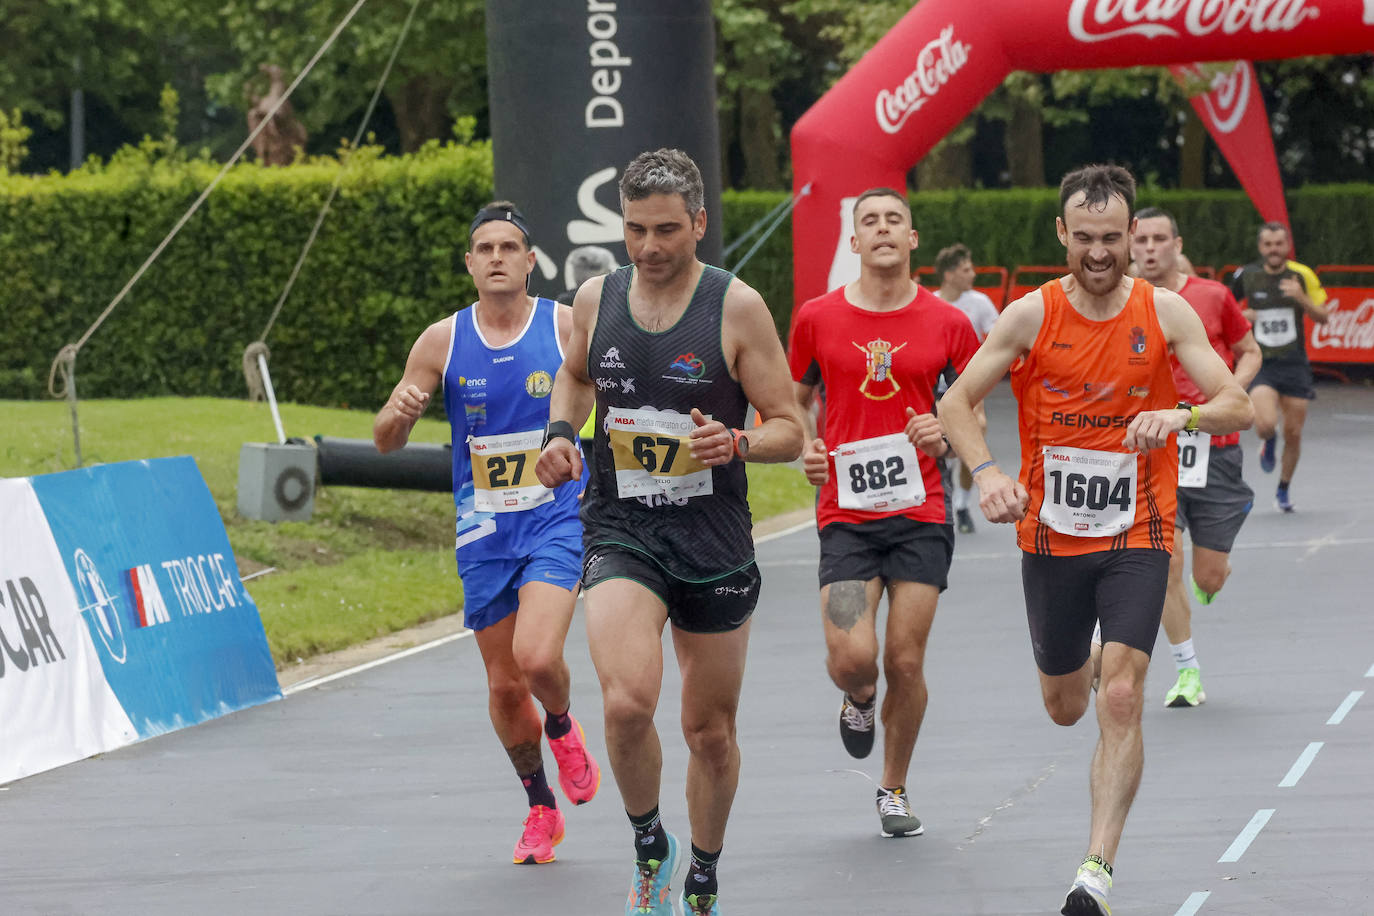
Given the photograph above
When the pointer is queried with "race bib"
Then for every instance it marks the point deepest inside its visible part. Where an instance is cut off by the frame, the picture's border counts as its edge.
(1275, 327)
(1194, 452)
(1088, 494)
(503, 472)
(650, 454)
(881, 474)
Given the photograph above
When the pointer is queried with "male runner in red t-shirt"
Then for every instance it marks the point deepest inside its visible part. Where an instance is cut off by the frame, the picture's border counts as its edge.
(879, 346)
(1213, 497)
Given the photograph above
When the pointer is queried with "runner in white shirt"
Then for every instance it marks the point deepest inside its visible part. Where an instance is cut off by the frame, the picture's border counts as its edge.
(954, 267)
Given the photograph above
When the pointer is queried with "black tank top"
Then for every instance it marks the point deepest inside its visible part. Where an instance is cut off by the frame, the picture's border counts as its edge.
(696, 538)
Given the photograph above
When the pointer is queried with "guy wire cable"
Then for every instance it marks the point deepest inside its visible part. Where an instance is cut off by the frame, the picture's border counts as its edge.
(338, 179)
(67, 355)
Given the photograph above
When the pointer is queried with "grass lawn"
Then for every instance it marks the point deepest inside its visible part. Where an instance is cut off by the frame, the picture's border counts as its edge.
(369, 562)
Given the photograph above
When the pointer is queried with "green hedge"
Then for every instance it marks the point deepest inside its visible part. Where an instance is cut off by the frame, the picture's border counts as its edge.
(386, 264)
(381, 270)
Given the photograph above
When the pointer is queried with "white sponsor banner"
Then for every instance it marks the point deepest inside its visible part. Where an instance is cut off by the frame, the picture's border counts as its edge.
(55, 704)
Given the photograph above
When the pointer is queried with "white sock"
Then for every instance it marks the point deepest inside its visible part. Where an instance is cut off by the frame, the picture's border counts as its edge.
(1184, 656)
(960, 499)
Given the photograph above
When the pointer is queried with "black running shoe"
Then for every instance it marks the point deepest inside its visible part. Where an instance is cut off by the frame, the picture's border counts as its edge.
(856, 726)
(965, 521)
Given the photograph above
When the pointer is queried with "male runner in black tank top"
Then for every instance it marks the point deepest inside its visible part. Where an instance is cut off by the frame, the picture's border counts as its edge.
(672, 351)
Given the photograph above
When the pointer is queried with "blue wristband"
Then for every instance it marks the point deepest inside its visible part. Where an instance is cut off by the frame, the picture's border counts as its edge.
(982, 467)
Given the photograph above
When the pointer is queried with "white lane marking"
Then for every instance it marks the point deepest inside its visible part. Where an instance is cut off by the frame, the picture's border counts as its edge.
(1356, 417)
(453, 637)
(1339, 715)
(376, 662)
(1193, 903)
(1326, 541)
(1247, 836)
(1300, 765)
(809, 523)
(1370, 672)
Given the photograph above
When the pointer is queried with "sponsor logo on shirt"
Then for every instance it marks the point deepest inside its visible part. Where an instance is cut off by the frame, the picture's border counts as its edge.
(1138, 391)
(1099, 391)
(1045, 383)
(878, 355)
(687, 369)
(538, 384)
(501, 359)
(1060, 345)
(611, 359)
(606, 384)
(627, 386)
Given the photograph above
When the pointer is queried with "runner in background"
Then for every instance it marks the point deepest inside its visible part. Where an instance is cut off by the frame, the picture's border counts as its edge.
(1276, 293)
(954, 267)
(519, 547)
(1213, 497)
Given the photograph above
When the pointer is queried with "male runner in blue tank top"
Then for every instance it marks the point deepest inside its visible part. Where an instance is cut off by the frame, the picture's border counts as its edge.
(519, 545)
(672, 351)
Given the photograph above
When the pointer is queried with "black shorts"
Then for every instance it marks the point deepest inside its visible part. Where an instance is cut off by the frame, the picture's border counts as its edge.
(1066, 596)
(1290, 380)
(887, 548)
(1214, 513)
(714, 606)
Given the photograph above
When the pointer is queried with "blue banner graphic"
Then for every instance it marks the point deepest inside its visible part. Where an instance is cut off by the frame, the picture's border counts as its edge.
(178, 638)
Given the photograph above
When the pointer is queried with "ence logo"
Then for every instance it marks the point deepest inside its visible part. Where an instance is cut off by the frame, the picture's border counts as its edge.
(689, 365)
(538, 384)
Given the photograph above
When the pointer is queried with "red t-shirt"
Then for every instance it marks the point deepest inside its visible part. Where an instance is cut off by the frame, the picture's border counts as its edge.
(1225, 325)
(875, 365)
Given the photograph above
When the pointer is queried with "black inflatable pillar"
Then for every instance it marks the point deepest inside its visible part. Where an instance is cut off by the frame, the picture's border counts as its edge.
(578, 88)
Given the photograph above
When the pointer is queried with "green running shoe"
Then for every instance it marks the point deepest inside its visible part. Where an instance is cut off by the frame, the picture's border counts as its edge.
(1187, 691)
(1088, 896)
(1201, 596)
(649, 891)
(700, 904)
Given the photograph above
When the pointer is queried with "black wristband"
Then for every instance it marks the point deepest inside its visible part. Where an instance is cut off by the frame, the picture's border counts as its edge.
(556, 429)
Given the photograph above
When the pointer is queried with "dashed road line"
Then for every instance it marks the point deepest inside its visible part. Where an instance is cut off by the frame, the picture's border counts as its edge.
(1348, 704)
(1193, 903)
(1247, 836)
(1370, 672)
(1300, 766)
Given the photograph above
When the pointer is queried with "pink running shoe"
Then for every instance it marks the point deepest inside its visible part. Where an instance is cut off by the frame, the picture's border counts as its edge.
(543, 831)
(578, 774)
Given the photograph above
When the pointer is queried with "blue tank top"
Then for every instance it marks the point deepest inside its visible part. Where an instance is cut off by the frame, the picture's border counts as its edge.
(497, 400)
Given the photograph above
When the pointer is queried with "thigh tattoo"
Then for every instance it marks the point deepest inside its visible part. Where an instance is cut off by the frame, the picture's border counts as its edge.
(846, 603)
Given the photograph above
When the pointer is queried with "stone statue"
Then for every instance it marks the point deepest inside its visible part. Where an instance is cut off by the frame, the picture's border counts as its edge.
(277, 143)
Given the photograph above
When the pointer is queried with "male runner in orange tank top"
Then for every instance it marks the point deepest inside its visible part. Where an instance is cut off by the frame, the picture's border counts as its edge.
(1095, 502)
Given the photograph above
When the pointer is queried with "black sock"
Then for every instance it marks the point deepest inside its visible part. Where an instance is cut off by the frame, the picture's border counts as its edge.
(537, 788)
(651, 840)
(701, 876)
(556, 726)
(1283, 484)
(866, 704)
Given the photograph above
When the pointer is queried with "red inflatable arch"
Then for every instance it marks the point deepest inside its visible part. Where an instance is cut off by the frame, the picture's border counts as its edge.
(944, 56)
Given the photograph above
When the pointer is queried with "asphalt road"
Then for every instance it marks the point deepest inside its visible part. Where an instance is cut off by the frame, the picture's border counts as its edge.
(386, 791)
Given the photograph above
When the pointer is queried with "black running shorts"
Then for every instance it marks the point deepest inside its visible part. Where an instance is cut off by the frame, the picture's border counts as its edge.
(1066, 596)
(1213, 514)
(887, 548)
(713, 606)
(1291, 380)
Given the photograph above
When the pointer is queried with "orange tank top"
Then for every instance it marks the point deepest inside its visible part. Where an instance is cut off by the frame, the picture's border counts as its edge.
(1077, 390)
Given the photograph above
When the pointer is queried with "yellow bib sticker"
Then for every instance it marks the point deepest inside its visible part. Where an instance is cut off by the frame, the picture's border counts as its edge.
(503, 472)
(651, 456)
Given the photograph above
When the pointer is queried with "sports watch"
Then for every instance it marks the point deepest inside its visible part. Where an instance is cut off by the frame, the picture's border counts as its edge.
(1193, 415)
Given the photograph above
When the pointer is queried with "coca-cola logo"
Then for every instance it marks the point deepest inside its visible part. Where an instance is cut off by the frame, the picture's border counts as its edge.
(1110, 19)
(935, 65)
(1351, 329)
(1229, 97)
